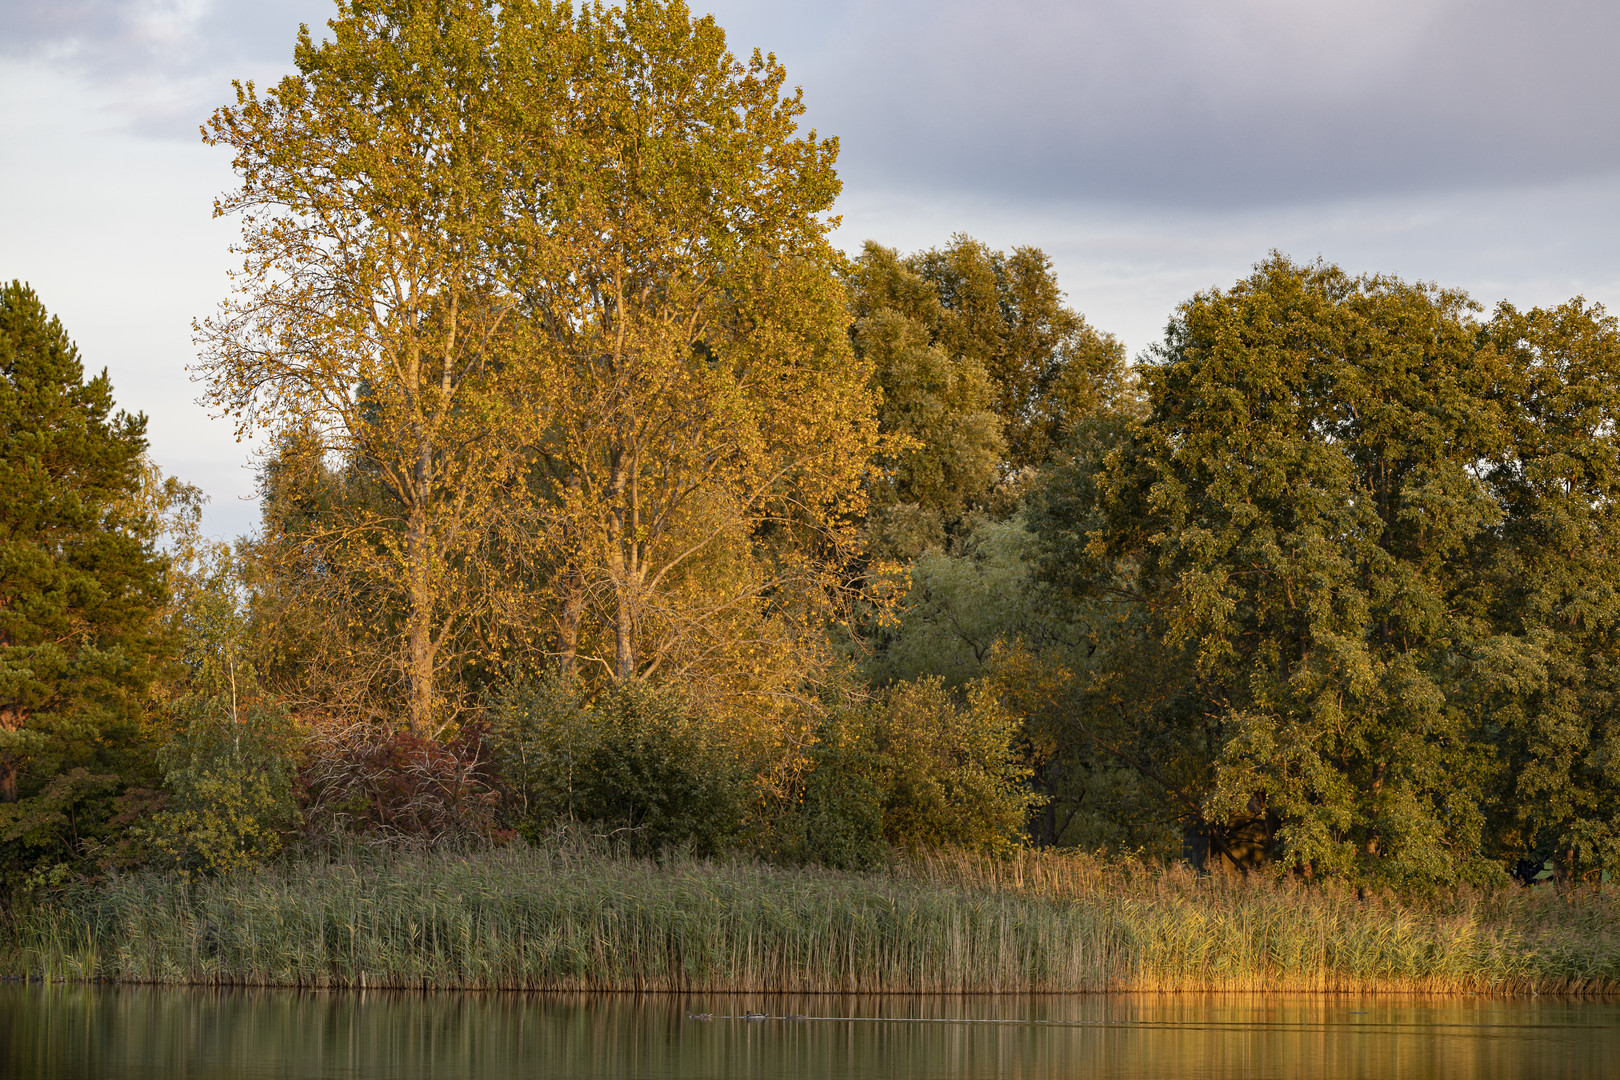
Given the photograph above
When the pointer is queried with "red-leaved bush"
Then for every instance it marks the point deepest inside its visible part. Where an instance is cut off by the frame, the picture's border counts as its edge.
(392, 787)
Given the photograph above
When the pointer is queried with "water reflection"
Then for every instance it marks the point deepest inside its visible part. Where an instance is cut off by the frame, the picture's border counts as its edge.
(125, 1033)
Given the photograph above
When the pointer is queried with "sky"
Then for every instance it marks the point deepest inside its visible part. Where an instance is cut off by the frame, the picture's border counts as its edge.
(1153, 148)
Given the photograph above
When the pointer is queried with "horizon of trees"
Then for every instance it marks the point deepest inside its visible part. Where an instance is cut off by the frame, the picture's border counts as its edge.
(604, 489)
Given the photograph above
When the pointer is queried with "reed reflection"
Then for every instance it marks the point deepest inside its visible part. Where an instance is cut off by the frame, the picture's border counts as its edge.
(133, 1033)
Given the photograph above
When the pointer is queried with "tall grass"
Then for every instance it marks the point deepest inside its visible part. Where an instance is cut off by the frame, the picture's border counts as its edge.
(559, 917)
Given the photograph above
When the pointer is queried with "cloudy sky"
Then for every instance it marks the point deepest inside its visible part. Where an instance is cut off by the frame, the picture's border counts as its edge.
(1152, 147)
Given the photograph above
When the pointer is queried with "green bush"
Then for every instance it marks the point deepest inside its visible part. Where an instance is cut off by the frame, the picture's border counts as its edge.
(229, 774)
(920, 769)
(950, 770)
(630, 761)
(841, 820)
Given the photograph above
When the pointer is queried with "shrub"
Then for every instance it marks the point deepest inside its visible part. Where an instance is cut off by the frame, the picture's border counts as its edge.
(919, 769)
(841, 819)
(950, 770)
(395, 788)
(229, 777)
(632, 761)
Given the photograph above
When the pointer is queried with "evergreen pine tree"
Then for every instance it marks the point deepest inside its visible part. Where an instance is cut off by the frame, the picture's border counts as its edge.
(79, 589)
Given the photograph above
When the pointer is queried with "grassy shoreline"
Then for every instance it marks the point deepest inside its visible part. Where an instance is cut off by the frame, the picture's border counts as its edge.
(561, 918)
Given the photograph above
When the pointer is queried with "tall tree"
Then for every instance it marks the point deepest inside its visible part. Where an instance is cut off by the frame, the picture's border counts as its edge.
(938, 402)
(541, 307)
(1546, 684)
(705, 428)
(983, 373)
(80, 585)
(366, 321)
(1298, 523)
(1050, 368)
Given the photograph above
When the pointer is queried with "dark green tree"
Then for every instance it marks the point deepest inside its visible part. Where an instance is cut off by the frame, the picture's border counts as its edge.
(629, 762)
(984, 371)
(80, 587)
(1547, 684)
(1300, 528)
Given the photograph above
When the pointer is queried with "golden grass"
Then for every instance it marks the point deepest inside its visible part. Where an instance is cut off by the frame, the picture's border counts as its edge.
(560, 917)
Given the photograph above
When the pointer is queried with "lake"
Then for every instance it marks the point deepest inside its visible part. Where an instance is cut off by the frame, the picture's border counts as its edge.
(135, 1033)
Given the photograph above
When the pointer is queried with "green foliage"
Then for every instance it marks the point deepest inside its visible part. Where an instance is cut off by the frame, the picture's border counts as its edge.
(939, 401)
(80, 585)
(1049, 367)
(631, 761)
(986, 590)
(229, 761)
(949, 770)
(984, 610)
(982, 370)
(229, 775)
(1297, 511)
(539, 731)
(841, 816)
(1546, 684)
(1360, 549)
(922, 768)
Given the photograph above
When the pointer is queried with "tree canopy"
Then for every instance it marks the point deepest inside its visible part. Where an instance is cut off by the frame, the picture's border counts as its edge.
(540, 305)
(1325, 525)
(983, 373)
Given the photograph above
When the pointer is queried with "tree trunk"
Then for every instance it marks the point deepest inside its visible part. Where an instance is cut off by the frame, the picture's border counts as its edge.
(621, 535)
(573, 613)
(573, 599)
(1195, 845)
(624, 634)
(10, 767)
(419, 626)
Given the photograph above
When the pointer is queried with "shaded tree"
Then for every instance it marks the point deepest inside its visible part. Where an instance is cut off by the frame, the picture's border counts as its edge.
(1547, 683)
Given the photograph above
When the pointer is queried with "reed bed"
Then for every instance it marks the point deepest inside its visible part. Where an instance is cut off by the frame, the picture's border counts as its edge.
(562, 918)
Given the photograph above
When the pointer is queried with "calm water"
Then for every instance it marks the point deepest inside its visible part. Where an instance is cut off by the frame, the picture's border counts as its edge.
(128, 1033)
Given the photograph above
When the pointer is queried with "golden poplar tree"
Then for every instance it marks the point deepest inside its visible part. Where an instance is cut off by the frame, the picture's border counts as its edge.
(541, 306)
(366, 314)
(707, 426)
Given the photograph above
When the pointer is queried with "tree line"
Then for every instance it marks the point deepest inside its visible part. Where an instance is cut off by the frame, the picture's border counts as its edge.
(603, 491)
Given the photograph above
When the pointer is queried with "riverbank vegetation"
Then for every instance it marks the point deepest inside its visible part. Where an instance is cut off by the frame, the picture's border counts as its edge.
(601, 493)
(561, 916)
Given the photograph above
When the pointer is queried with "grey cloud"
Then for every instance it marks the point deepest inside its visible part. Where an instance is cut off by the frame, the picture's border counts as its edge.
(1165, 102)
(162, 64)
(34, 26)
(1218, 102)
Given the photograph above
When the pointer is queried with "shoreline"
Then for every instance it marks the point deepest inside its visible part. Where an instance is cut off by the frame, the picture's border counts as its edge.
(1612, 993)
